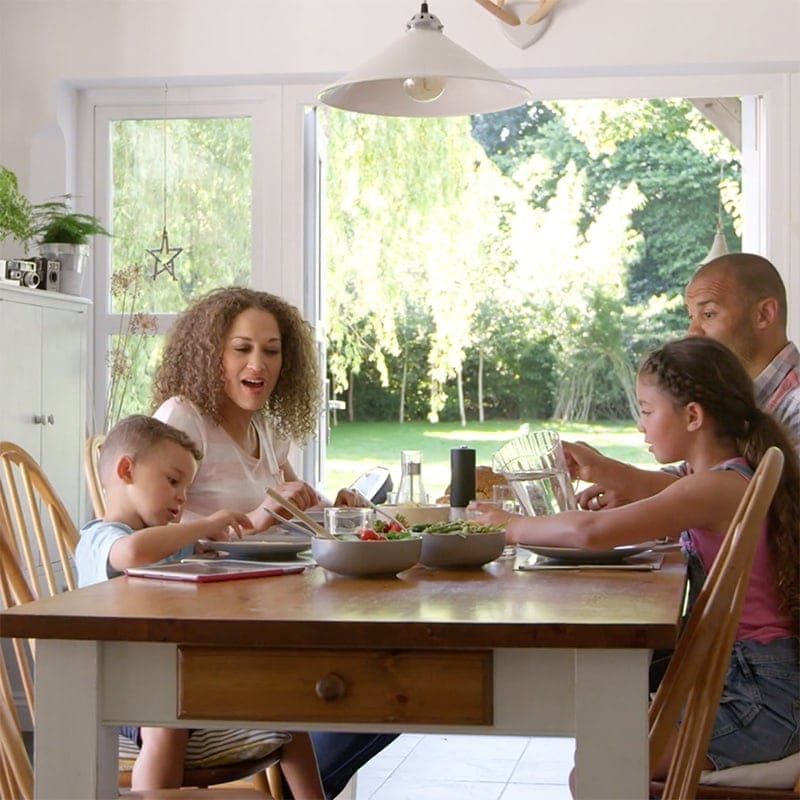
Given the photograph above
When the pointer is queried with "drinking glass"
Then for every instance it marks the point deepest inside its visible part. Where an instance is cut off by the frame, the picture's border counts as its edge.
(504, 497)
(348, 522)
(535, 467)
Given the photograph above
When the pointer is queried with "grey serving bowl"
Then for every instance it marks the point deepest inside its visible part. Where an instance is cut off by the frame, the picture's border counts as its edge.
(458, 550)
(358, 559)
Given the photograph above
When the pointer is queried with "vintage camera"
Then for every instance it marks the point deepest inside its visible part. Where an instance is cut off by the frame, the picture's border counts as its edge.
(49, 272)
(20, 271)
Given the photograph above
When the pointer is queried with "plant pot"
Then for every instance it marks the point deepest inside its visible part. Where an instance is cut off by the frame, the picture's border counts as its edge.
(73, 259)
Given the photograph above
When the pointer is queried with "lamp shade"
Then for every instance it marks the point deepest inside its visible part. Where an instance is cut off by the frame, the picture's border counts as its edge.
(719, 247)
(424, 52)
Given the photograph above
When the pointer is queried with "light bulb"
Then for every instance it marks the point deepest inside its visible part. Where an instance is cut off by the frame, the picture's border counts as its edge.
(424, 89)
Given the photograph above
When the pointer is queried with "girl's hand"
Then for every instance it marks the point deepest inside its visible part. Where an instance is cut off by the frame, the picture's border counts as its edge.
(583, 461)
(225, 526)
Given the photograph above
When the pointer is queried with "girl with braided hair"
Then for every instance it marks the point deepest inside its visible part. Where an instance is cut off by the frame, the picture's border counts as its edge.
(697, 407)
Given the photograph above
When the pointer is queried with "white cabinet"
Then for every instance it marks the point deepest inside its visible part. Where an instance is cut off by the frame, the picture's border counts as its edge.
(43, 380)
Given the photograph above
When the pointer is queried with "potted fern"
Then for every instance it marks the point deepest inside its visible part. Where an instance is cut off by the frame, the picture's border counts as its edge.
(63, 235)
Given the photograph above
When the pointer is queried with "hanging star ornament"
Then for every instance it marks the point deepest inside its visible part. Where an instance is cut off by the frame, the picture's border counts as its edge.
(164, 257)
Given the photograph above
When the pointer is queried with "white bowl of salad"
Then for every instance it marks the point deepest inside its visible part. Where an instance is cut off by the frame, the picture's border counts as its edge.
(460, 544)
(382, 550)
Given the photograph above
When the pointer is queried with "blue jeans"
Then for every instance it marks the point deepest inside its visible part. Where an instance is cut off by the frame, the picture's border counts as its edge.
(759, 712)
(341, 755)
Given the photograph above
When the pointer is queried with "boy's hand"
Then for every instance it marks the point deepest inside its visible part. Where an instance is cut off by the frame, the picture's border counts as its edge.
(227, 525)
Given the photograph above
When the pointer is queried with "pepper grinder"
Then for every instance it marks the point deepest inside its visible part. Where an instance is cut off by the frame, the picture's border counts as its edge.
(462, 480)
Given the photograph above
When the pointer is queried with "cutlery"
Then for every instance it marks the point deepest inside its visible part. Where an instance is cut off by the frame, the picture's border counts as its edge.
(288, 523)
(378, 509)
(316, 528)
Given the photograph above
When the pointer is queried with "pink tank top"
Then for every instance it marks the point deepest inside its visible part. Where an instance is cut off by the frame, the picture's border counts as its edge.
(761, 618)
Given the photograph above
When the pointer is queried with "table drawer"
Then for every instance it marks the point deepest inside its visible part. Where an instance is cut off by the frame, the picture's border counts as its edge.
(419, 686)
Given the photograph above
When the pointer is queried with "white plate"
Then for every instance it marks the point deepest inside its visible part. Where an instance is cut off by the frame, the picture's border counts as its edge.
(262, 545)
(579, 555)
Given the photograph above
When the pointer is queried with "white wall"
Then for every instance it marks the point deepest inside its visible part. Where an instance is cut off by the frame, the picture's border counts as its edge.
(49, 48)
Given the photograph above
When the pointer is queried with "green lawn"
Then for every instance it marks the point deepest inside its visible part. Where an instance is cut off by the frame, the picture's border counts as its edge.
(355, 447)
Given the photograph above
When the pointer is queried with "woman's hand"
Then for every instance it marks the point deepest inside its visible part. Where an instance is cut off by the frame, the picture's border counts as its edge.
(225, 526)
(347, 497)
(297, 492)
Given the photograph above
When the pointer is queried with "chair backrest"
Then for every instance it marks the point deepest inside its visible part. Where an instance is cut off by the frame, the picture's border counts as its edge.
(91, 457)
(16, 772)
(35, 521)
(692, 686)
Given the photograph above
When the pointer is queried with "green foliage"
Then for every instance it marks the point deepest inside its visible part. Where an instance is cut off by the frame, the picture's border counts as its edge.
(54, 222)
(16, 213)
(664, 146)
(592, 216)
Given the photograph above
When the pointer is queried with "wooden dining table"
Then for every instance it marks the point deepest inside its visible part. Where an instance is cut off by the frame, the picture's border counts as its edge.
(485, 651)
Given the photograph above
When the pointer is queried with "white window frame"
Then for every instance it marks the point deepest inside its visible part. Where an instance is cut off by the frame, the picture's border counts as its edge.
(100, 107)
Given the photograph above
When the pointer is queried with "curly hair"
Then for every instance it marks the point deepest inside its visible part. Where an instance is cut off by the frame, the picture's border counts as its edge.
(191, 366)
(698, 369)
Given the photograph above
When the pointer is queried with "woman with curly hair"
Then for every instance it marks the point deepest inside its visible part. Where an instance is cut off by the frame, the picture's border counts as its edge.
(239, 375)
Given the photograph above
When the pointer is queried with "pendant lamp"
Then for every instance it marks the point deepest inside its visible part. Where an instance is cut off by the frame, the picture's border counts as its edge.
(719, 247)
(424, 74)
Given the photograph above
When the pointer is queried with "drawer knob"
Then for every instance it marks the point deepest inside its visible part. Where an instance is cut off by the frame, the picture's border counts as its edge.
(330, 687)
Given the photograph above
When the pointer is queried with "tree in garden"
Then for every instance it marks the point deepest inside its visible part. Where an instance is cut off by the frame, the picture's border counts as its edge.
(409, 205)
(665, 147)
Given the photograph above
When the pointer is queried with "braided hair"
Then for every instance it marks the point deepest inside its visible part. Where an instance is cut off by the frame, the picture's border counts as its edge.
(700, 370)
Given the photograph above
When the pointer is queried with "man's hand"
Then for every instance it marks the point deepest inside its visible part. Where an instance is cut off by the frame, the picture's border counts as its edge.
(596, 498)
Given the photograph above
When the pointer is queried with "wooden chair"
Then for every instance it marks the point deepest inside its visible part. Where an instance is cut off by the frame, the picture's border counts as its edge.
(688, 697)
(29, 542)
(91, 457)
(37, 523)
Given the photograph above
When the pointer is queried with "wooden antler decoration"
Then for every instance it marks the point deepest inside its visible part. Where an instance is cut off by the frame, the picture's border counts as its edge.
(507, 14)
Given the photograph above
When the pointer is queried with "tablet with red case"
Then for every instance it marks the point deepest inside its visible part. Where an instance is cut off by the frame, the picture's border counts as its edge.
(207, 572)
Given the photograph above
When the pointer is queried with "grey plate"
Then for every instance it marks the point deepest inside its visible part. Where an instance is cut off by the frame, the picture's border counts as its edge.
(578, 555)
(280, 544)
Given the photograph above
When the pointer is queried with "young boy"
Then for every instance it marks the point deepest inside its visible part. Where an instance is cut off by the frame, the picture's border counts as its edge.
(145, 467)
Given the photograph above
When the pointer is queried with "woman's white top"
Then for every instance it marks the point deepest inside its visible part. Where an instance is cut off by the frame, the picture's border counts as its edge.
(228, 477)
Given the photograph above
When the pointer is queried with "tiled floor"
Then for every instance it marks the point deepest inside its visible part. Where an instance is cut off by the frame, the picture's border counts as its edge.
(446, 767)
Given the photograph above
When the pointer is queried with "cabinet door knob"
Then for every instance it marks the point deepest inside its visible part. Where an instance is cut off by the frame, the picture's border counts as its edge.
(38, 419)
(51, 420)
(330, 687)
